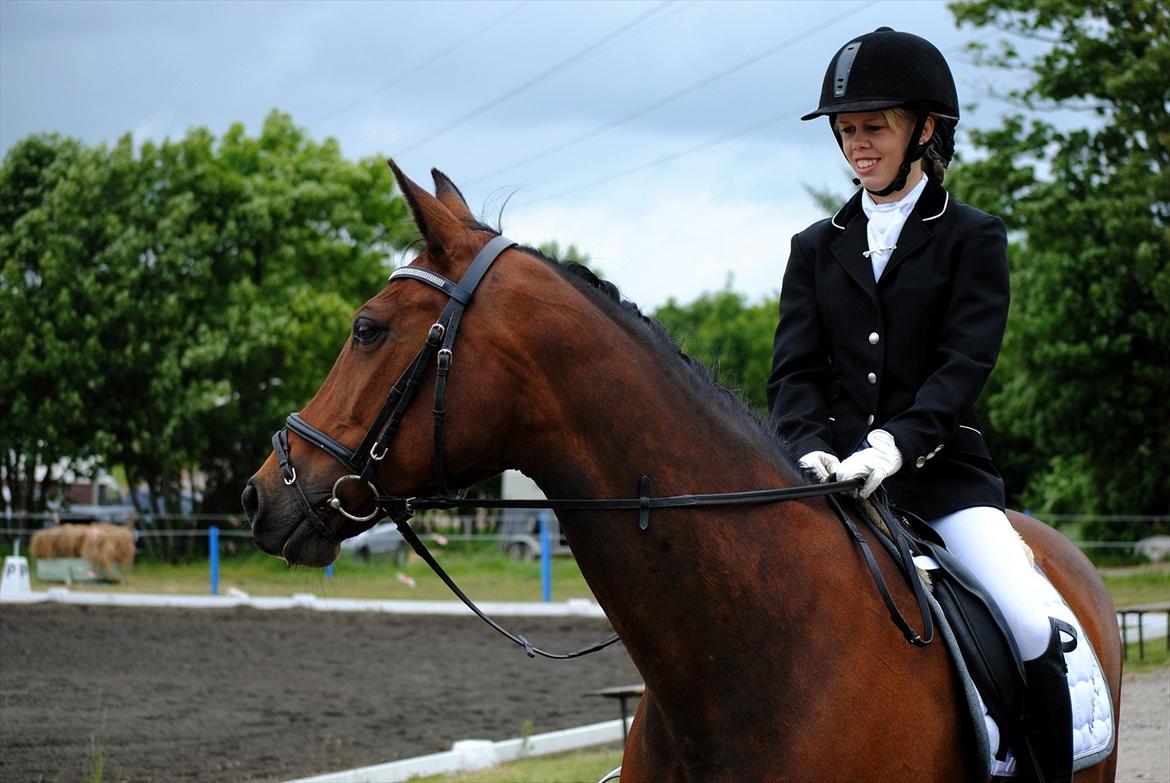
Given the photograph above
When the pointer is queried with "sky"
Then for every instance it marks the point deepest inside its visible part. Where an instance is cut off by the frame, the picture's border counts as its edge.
(661, 137)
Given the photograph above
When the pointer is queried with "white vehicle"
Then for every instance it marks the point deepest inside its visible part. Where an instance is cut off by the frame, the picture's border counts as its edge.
(520, 527)
(381, 539)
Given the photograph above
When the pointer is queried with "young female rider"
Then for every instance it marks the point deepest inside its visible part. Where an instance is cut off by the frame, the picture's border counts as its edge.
(891, 318)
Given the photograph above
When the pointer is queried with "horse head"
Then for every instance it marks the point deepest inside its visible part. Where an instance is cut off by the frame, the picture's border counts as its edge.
(301, 507)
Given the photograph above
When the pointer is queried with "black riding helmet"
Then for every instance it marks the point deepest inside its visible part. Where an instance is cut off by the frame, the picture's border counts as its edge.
(883, 70)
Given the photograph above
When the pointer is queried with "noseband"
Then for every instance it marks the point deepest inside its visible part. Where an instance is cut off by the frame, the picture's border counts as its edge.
(362, 462)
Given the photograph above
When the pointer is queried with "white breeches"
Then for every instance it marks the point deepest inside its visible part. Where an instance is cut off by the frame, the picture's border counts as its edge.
(985, 542)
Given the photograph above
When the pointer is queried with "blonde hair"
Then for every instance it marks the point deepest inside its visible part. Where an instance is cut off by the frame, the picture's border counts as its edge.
(934, 158)
(894, 116)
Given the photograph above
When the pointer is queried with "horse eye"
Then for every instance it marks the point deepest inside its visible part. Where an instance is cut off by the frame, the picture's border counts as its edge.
(365, 332)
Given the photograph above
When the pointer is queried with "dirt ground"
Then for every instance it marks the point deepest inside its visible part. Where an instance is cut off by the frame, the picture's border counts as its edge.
(248, 695)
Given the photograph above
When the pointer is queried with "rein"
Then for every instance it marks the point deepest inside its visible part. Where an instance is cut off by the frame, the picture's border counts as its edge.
(375, 445)
(644, 504)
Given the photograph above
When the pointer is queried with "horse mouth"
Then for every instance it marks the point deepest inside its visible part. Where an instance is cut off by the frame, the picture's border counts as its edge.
(305, 546)
(281, 529)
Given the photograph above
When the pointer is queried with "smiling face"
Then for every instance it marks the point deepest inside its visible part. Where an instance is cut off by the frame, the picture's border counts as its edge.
(875, 148)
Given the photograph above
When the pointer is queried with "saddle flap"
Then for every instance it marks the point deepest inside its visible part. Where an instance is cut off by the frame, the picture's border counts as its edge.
(988, 648)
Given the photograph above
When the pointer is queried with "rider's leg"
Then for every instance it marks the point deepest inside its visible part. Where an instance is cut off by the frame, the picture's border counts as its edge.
(985, 542)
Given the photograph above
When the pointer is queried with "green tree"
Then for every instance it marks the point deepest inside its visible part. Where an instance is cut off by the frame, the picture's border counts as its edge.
(1080, 393)
(50, 364)
(732, 338)
(572, 253)
(164, 307)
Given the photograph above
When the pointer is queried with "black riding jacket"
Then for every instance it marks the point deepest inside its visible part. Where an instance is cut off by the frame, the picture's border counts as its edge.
(909, 354)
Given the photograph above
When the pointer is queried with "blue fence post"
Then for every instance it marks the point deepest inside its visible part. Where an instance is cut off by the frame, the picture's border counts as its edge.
(329, 571)
(213, 551)
(545, 559)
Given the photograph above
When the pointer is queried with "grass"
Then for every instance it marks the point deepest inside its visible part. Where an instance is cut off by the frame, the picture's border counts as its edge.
(1134, 585)
(580, 766)
(1157, 657)
(478, 567)
(1144, 584)
(98, 754)
(482, 572)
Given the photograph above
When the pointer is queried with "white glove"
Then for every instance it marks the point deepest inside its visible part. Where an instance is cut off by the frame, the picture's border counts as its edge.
(874, 464)
(821, 463)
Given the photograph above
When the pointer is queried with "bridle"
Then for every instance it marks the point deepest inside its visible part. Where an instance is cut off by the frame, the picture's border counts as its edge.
(362, 463)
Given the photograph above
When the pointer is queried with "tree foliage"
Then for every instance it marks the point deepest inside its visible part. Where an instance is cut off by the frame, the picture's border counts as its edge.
(1079, 398)
(731, 337)
(163, 307)
(49, 324)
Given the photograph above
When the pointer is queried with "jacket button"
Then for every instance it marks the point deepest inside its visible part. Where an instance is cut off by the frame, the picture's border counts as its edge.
(873, 338)
(920, 462)
(872, 377)
(869, 420)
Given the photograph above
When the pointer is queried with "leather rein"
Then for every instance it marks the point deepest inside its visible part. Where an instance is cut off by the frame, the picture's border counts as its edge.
(363, 461)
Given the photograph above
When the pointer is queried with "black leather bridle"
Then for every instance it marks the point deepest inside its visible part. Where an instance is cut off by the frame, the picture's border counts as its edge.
(362, 463)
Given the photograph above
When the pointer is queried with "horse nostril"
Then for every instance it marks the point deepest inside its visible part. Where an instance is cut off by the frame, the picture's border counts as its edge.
(251, 500)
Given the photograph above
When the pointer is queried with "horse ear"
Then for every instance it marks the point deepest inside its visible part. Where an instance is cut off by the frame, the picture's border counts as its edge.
(450, 196)
(442, 230)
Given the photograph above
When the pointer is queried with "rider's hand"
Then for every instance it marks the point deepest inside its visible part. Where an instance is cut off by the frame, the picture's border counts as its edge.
(874, 464)
(821, 463)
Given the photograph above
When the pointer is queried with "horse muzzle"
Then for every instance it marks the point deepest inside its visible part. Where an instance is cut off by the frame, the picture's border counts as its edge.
(280, 528)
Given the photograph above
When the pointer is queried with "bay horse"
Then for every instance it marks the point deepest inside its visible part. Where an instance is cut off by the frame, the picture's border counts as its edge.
(765, 649)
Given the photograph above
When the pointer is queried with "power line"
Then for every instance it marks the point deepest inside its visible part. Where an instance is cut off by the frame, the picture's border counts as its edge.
(424, 64)
(704, 82)
(663, 159)
(563, 64)
(743, 131)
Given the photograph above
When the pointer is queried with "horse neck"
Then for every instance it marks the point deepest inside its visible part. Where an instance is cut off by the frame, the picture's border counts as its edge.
(697, 594)
(619, 406)
(621, 409)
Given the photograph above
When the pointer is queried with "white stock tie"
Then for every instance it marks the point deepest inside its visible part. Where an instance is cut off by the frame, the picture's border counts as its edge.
(885, 225)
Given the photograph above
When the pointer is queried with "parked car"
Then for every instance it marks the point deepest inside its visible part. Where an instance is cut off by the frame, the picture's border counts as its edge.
(520, 527)
(101, 499)
(382, 539)
(520, 535)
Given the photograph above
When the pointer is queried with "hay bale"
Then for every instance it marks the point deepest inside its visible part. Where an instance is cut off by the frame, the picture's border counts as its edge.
(42, 544)
(60, 541)
(104, 544)
(69, 538)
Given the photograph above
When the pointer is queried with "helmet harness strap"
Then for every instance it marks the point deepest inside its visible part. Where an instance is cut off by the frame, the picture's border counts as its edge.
(914, 151)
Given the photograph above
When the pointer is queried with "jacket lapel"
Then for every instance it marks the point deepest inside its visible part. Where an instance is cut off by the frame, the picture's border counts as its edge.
(916, 233)
(849, 248)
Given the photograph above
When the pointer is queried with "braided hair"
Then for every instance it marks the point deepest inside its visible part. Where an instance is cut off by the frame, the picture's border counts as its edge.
(940, 148)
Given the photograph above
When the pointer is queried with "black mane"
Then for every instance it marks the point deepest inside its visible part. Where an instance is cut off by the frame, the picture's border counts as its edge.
(627, 314)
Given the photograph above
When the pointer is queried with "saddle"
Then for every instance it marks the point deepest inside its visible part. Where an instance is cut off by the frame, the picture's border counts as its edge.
(980, 631)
